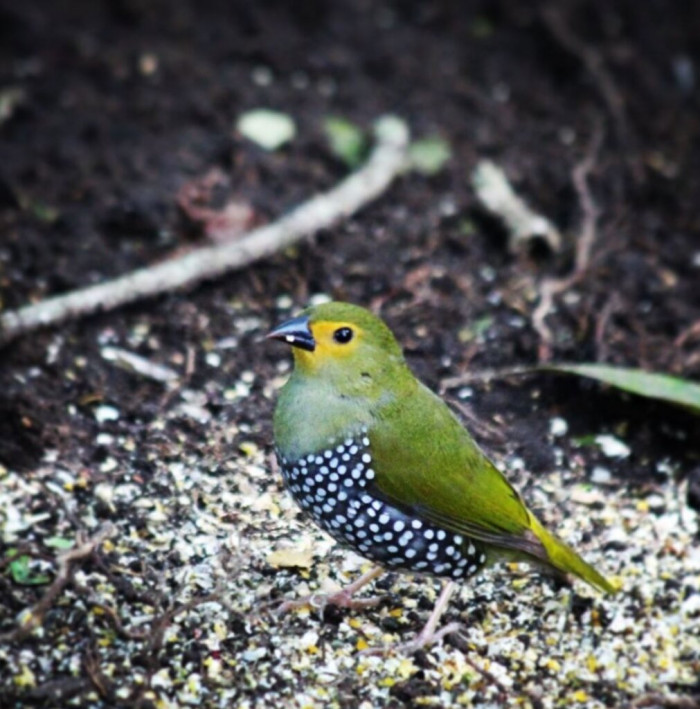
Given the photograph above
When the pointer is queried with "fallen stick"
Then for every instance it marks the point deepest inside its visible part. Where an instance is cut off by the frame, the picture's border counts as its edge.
(33, 617)
(552, 287)
(388, 159)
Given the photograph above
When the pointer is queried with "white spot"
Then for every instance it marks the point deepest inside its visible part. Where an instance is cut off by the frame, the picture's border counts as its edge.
(340, 449)
(359, 522)
(441, 534)
(405, 538)
(384, 518)
(323, 470)
(388, 536)
(450, 550)
(399, 525)
(374, 527)
(318, 460)
(347, 482)
(348, 442)
(346, 457)
(457, 539)
(320, 494)
(361, 534)
(612, 447)
(416, 524)
(369, 474)
(366, 499)
(333, 477)
(328, 453)
(431, 556)
(342, 470)
(290, 339)
(392, 549)
(419, 564)
(356, 474)
(429, 534)
(366, 458)
(410, 553)
(482, 559)
(332, 487)
(342, 496)
(377, 505)
(365, 441)
(353, 450)
(471, 550)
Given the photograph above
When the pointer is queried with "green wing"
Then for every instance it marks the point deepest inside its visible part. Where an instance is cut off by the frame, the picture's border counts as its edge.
(427, 463)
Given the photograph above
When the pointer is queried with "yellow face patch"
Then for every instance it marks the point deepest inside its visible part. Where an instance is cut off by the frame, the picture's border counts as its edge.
(328, 345)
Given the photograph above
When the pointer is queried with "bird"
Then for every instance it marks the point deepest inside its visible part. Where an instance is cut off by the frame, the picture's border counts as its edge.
(383, 465)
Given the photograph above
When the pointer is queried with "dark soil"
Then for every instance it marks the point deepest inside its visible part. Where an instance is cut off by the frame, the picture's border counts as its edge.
(124, 102)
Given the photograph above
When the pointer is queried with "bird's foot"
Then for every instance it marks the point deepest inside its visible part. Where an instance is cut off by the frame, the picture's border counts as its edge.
(319, 601)
(426, 638)
(342, 599)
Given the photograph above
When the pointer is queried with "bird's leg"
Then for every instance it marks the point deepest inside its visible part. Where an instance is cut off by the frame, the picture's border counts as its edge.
(427, 636)
(342, 599)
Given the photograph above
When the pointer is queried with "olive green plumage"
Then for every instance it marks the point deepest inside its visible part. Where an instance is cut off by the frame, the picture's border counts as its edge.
(384, 465)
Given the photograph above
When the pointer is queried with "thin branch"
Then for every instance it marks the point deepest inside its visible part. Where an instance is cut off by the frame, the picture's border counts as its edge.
(320, 212)
(551, 287)
(66, 568)
(485, 376)
(593, 62)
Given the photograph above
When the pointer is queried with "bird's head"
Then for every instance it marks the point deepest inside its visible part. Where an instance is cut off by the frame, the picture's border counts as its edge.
(343, 344)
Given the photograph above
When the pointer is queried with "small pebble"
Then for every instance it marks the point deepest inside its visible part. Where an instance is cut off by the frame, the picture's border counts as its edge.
(612, 447)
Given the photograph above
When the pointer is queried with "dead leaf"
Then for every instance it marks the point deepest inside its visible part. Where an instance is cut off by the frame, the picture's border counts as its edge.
(300, 558)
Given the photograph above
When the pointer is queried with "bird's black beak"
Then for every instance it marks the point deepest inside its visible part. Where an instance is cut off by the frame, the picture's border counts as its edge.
(295, 332)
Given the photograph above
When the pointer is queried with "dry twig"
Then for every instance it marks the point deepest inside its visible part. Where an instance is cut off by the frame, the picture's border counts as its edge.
(66, 567)
(593, 62)
(551, 287)
(320, 212)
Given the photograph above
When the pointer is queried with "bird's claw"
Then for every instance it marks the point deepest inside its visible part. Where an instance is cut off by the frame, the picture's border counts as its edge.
(422, 640)
(319, 601)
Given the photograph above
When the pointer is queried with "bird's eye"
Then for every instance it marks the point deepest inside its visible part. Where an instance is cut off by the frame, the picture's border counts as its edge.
(343, 335)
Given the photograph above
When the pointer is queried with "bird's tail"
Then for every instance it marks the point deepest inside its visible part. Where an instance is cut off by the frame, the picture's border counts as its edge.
(563, 558)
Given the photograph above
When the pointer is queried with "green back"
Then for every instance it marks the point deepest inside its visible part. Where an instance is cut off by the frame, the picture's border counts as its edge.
(425, 460)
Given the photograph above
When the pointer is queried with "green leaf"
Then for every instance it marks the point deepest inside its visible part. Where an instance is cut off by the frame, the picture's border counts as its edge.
(43, 212)
(588, 440)
(429, 155)
(269, 129)
(348, 141)
(59, 542)
(22, 573)
(665, 387)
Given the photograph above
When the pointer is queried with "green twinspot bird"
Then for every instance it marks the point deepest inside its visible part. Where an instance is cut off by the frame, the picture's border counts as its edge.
(383, 465)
